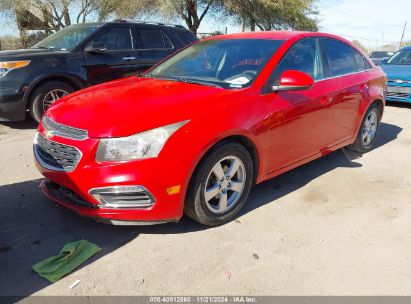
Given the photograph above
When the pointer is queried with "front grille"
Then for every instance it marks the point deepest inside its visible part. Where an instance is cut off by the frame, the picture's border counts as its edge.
(397, 95)
(55, 156)
(398, 91)
(67, 195)
(57, 129)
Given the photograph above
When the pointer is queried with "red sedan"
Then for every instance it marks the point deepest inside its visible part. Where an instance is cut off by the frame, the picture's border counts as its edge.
(197, 131)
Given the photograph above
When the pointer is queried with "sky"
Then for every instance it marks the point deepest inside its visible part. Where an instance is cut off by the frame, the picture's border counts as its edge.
(372, 22)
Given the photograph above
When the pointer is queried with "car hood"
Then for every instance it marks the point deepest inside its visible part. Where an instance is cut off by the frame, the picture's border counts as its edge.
(397, 71)
(132, 105)
(25, 54)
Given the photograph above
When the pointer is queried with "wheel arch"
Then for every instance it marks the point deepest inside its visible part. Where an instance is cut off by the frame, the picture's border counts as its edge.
(71, 80)
(243, 140)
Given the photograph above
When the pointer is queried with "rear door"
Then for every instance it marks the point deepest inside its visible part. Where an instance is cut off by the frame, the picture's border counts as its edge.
(119, 59)
(152, 45)
(346, 80)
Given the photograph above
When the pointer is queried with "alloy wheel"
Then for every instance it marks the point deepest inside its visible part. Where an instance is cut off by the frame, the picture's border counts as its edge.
(225, 184)
(52, 96)
(370, 128)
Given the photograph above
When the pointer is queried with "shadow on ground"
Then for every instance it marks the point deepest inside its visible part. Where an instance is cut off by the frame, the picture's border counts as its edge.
(394, 104)
(28, 123)
(32, 229)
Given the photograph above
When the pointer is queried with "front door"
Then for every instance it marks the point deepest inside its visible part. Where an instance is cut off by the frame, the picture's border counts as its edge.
(117, 60)
(299, 119)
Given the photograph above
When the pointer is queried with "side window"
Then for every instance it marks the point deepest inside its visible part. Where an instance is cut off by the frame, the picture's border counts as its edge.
(185, 36)
(304, 56)
(115, 39)
(340, 58)
(152, 39)
(361, 63)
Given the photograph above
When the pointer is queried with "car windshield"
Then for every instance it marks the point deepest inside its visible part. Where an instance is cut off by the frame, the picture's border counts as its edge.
(232, 63)
(402, 57)
(67, 38)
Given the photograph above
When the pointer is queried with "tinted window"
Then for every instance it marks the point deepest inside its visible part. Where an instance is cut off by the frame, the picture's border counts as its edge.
(340, 57)
(186, 37)
(115, 39)
(360, 62)
(304, 56)
(152, 39)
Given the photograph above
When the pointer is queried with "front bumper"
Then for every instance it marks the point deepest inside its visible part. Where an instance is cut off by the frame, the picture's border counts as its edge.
(12, 104)
(152, 174)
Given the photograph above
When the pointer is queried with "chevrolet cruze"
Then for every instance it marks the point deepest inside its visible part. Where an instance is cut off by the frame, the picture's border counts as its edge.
(197, 131)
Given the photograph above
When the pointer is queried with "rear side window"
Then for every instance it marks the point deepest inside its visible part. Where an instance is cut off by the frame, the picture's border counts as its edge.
(185, 36)
(361, 63)
(115, 39)
(340, 57)
(152, 39)
(304, 56)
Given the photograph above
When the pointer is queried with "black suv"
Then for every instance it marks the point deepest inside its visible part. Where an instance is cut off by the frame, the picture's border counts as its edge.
(79, 56)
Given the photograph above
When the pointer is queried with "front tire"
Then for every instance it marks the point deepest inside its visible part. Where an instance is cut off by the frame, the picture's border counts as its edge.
(368, 131)
(45, 95)
(220, 185)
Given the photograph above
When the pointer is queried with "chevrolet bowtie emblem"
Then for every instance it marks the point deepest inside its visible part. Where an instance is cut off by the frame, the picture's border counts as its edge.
(48, 134)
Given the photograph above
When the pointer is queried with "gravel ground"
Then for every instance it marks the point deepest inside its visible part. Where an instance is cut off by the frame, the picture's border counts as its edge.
(337, 226)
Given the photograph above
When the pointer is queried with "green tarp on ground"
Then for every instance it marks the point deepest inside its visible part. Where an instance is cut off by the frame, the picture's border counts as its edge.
(70, 257)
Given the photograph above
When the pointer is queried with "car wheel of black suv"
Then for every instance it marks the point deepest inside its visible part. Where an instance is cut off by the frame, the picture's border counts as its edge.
(220, 185)
(368, 131)
(45, 95)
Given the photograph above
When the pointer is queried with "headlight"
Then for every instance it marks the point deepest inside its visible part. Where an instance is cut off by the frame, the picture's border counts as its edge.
(147, 144)
(7, 66)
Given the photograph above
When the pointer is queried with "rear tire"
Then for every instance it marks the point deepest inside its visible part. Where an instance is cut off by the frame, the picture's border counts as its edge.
(46, 94)
(368, 131)
(220, 185)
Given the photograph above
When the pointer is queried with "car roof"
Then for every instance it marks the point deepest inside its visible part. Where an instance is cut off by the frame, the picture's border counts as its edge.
(277, 35)
(120, 21)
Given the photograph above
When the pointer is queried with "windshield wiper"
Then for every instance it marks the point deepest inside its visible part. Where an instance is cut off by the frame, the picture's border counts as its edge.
(43, 48)
(197, 81)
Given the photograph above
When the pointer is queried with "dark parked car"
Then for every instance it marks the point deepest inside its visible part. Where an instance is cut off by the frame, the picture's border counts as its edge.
(378, 57)
(79, 56)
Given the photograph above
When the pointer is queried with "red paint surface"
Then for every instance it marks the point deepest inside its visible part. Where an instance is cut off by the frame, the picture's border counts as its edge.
(287, 128)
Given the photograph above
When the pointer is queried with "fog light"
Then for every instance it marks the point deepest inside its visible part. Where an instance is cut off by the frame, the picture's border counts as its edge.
(123, 197)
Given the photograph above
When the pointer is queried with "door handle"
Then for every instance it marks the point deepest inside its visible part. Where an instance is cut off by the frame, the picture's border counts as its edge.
(364, 87)
(129, 58)
(326, 100)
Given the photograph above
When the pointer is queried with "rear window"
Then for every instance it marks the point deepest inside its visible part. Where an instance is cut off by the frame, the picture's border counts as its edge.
(152, 39)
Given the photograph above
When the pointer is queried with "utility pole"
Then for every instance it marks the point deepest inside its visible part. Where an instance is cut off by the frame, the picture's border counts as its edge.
(403, 32)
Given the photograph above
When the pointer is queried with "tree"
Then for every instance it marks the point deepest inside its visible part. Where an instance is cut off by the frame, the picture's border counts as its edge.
(191, 11)
(360, 45)
(274, 14)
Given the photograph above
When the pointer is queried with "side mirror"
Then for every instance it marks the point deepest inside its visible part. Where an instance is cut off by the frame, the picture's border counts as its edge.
(292, 81)
(95, 48)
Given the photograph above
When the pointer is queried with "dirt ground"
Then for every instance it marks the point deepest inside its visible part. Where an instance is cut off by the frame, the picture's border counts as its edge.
(337, 226)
